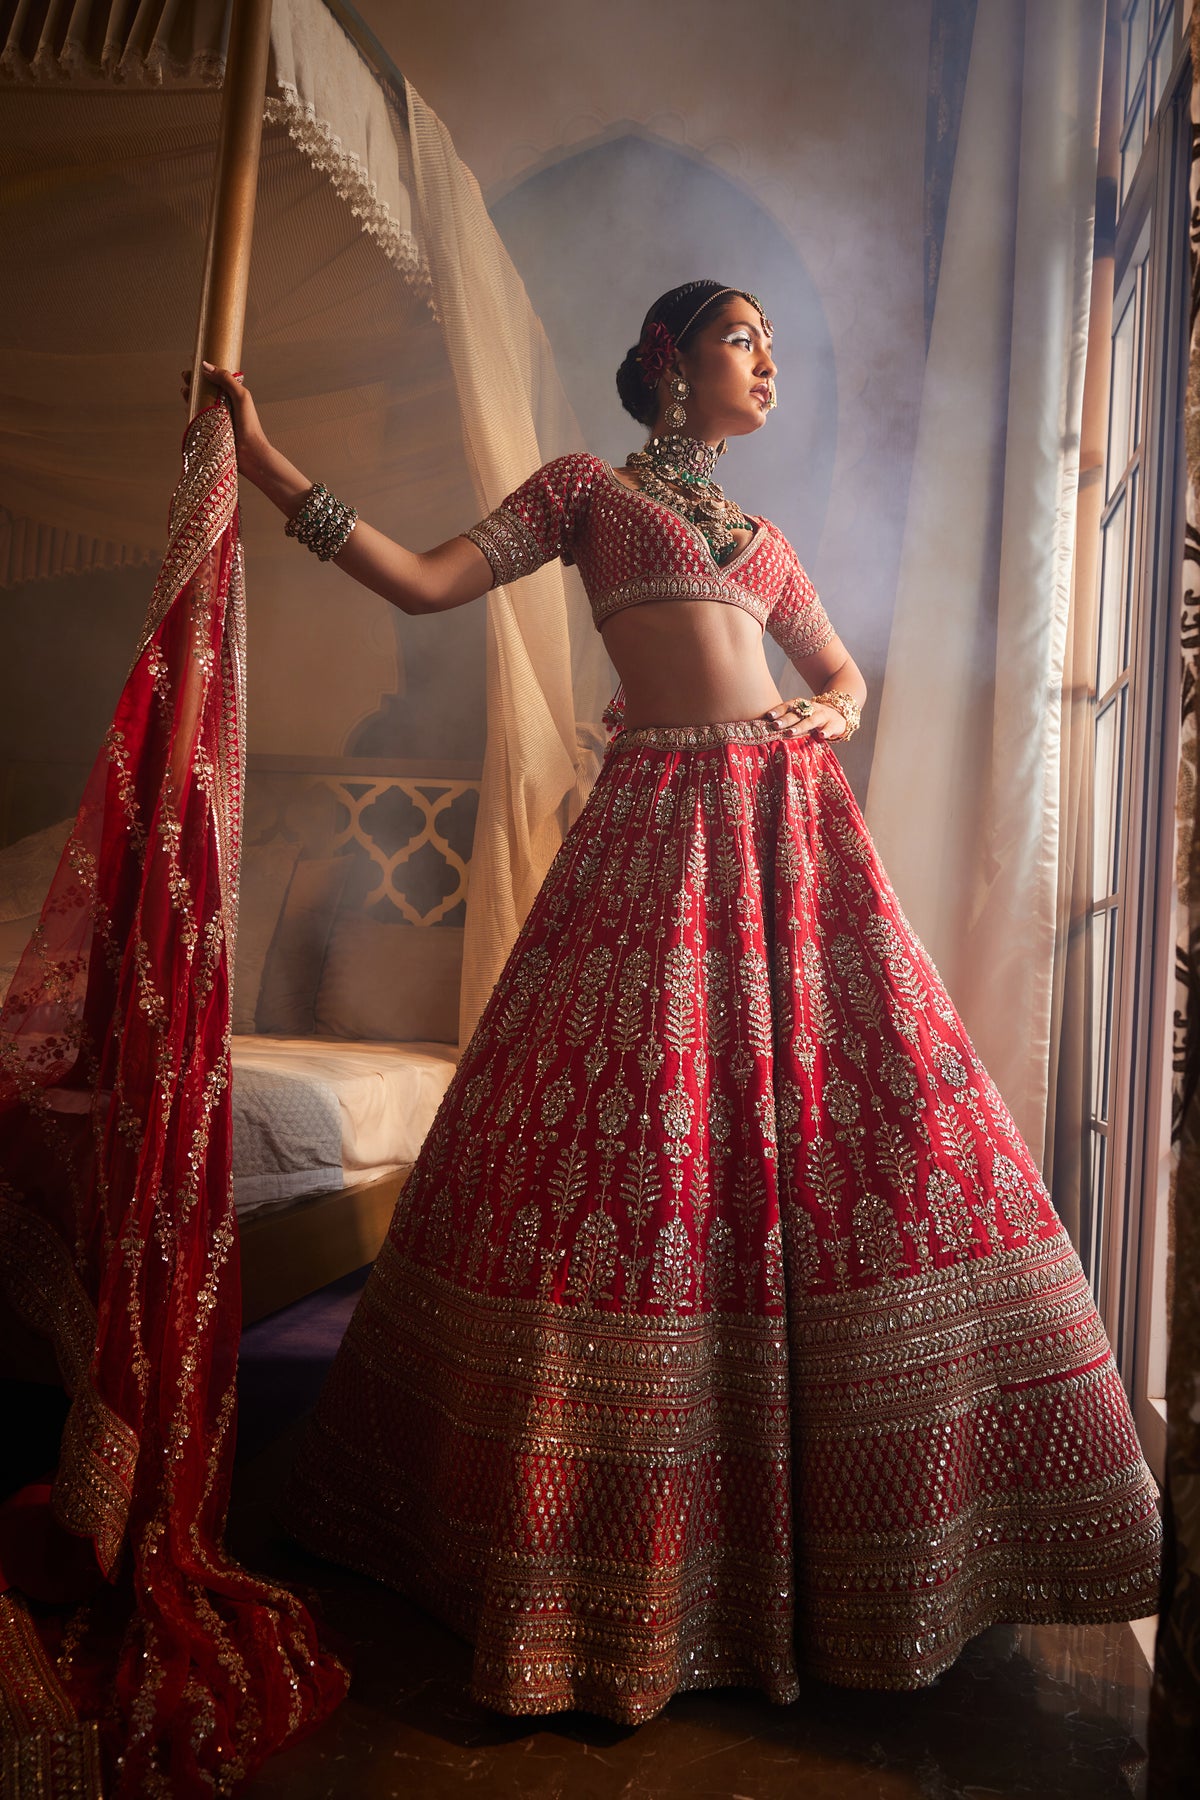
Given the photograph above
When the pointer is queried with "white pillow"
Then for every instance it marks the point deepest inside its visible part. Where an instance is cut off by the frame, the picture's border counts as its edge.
(398, 983)
(27, 869)
(266, 871)
(14, 935)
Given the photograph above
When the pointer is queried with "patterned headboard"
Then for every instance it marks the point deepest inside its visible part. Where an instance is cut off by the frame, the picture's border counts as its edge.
(408, 826)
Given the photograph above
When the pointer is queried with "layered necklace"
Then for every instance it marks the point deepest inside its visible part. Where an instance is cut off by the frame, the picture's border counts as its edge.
(677, 472)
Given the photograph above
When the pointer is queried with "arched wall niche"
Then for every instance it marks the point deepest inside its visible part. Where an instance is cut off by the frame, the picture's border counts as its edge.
(598, 230)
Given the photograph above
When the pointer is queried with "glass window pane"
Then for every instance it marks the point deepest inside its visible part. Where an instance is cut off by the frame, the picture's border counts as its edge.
(1103, 932)
(1132, 145)
(1136, 39)
(1127, 588)
(1107, 796)
(1110, 656)
(1139, 380)
(1095, 1236)
(1164, 58)
(1120, 415)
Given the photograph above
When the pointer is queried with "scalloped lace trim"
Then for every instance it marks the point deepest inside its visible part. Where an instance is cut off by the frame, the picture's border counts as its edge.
(311, 134)
(316, 140)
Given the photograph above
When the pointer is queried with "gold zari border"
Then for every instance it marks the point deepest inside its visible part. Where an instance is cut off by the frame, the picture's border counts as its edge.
(699, 737)
(44, 1750)
(866, 1394)
(94, 1483)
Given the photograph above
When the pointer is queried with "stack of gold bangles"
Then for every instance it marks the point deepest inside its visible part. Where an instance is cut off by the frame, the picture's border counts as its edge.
(840, 701)
(845, 704)
(321, 523)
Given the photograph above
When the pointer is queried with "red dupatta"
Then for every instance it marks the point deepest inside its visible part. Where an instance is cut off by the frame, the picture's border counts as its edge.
(117, 1232)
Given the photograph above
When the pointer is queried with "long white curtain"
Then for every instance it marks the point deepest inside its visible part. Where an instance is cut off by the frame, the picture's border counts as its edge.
(964, 795)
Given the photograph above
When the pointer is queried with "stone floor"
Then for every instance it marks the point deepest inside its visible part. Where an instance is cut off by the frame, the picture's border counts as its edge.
(1030, 1713)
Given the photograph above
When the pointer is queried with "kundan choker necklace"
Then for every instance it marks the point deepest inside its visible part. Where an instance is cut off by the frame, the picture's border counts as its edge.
(677, 472)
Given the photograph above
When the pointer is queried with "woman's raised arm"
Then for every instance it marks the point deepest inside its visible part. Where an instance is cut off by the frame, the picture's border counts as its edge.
(416, 581)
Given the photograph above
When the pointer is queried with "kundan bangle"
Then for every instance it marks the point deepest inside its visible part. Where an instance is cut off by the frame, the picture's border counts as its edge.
(845, 704)
(321, 523)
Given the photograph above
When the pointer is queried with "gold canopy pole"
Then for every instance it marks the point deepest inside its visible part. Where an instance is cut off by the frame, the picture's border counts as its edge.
(235, 183)
(226, 269)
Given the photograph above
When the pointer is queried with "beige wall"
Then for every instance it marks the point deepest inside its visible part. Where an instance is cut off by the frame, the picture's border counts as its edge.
(814, 111)
(817, 108)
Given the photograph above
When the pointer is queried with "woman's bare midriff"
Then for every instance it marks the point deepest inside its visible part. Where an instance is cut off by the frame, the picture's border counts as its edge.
(689, 662)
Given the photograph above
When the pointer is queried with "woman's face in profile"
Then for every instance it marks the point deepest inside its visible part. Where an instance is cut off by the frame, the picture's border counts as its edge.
(730, 367)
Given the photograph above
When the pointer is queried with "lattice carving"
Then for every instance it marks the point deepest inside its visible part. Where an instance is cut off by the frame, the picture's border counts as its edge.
(414, 832)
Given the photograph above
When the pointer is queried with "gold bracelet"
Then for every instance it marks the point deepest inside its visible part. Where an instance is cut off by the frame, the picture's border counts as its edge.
(845, 704)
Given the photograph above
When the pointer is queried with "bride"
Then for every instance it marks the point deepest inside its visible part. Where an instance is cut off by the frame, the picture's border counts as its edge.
(724, 1332)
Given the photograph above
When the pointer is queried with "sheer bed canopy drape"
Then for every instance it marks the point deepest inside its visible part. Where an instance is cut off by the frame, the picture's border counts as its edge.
(401, 362)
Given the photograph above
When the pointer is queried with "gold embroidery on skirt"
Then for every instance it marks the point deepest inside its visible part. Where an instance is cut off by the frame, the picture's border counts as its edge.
(44, 1750)
(94, 1483)
(662, 1304)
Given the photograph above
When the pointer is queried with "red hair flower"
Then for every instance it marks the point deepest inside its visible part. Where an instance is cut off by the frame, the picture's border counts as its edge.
(655, 351)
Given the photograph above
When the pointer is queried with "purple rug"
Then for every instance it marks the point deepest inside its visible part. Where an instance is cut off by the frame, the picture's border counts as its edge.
(284, 1358)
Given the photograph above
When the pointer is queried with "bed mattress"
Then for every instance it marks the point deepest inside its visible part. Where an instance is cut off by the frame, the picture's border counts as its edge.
(310, 1115)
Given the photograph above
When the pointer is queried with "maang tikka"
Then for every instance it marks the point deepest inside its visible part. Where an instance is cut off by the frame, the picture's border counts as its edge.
(676, 417)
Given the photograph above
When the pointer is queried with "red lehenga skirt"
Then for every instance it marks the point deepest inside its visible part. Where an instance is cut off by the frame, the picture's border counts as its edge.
(725, 1332)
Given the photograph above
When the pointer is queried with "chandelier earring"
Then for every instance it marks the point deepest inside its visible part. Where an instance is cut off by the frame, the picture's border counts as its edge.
(676, 416)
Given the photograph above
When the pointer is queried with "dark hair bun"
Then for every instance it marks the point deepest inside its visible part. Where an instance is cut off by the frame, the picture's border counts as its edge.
(636, 397)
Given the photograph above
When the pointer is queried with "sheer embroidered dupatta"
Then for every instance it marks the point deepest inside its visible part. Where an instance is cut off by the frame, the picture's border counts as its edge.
(117, 1233)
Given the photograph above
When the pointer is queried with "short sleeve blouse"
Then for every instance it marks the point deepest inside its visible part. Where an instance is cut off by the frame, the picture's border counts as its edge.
(631, 549)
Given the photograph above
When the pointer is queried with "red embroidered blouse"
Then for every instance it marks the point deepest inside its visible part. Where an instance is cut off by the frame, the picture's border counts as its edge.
(630, 549)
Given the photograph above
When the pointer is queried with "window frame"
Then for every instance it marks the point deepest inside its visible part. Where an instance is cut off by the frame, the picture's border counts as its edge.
(1128, 1261)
